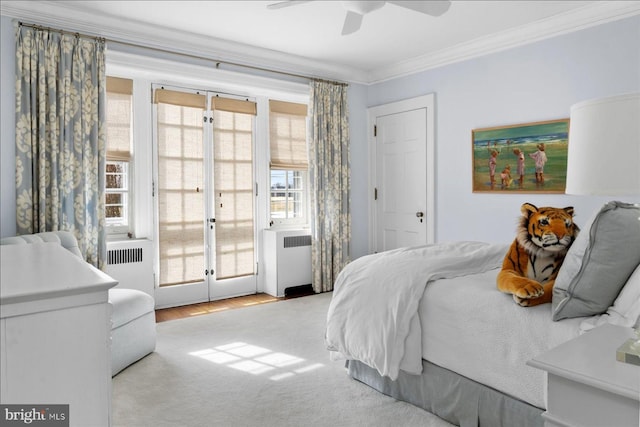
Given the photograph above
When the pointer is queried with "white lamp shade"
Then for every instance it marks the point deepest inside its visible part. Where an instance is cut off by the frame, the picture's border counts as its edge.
(604, 147)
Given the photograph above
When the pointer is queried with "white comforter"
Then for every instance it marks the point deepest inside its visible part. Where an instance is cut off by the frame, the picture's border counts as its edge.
(376, 297)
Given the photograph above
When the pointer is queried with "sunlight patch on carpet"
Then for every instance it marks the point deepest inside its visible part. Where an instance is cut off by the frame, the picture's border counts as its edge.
(257, 360)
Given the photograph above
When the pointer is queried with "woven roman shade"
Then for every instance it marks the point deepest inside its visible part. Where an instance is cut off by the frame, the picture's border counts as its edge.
(288, 135)
(119, 101)
(181, 208)
(181, 99)
(233, 105)
(234, 193)
(119, 85)
(233, 186)
(182, 195)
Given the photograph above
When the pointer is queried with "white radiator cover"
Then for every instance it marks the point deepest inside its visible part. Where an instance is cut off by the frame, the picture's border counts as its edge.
(130, 263)
(287, 256)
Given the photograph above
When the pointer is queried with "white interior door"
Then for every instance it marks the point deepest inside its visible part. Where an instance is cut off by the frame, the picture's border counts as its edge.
(402, 180)
(403, 174)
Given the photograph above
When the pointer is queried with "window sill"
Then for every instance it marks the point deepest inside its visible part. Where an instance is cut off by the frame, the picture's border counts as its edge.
(119, 237)
(277, 227)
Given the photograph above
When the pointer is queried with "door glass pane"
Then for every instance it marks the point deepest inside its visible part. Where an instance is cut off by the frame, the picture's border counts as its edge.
(180, 194)
(234, 197)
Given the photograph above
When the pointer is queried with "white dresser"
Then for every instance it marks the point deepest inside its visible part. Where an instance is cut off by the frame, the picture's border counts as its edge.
(55, 332)
(587, 386)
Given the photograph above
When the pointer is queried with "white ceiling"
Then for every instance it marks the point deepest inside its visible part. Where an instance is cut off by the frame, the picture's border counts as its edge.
(306, 37)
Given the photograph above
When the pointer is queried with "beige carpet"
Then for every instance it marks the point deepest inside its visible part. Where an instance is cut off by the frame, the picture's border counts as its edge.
(264, 365)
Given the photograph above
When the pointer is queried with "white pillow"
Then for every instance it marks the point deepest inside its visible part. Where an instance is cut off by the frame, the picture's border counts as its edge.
(625, 310)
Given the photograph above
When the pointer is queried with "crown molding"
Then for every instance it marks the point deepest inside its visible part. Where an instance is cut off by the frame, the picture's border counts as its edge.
(66, 17)
(590, 15)
(165, 71)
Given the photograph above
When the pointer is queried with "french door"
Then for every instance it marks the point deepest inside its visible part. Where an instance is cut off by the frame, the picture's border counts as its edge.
(205, 199)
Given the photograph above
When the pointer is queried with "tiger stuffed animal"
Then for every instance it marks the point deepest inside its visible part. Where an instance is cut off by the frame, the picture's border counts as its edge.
(531, 265)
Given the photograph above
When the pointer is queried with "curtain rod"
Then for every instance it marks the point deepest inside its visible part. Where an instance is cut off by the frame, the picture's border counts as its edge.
(216, 61)
(56, 30)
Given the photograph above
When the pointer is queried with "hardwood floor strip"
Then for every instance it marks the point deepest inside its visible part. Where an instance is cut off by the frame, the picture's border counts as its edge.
(202, 308)
(212, 307)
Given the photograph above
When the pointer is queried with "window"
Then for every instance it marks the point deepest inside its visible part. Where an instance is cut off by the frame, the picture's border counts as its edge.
(288, 194)
(118, 176)
(117, 194)
(289, 164)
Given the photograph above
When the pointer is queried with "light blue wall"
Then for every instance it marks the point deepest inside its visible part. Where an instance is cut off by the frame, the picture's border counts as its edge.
(530, 83)
(7, 129)
(360, 170)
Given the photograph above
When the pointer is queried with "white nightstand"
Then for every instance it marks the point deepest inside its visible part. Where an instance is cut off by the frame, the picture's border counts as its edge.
(587, 386)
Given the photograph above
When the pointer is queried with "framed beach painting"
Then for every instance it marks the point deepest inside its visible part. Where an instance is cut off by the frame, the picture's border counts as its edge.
(522, 158)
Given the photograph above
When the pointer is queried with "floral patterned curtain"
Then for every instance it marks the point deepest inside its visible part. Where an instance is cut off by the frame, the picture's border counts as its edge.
(329, 176)
(60, 137)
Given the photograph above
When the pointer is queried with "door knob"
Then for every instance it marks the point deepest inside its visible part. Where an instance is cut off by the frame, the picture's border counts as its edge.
(419, 214)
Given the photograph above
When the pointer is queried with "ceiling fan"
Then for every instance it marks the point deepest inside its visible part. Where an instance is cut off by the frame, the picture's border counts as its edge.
(357, 9)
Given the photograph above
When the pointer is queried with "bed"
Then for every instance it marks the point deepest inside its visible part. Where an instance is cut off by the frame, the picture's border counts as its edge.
(427, 325)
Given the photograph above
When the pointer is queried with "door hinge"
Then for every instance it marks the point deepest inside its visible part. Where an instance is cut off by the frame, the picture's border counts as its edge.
(375, 130)
(153, 189)
(375, 194)
(256, 189)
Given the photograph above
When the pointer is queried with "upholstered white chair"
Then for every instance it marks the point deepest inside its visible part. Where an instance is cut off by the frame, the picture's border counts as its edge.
(133, 323)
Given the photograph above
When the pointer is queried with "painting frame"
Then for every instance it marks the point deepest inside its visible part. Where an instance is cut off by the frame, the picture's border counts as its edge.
(507, 159)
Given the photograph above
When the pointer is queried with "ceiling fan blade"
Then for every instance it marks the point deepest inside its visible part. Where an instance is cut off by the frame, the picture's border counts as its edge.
(281, 4)
(352, 23)
(431, 7)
